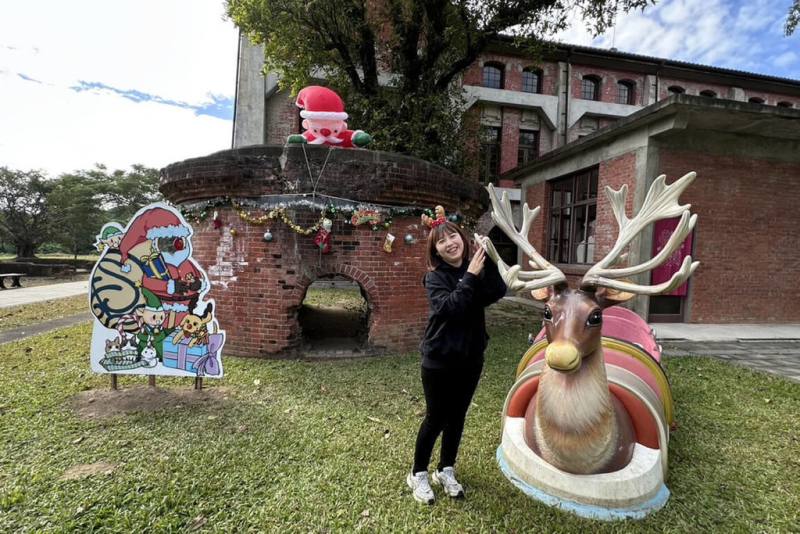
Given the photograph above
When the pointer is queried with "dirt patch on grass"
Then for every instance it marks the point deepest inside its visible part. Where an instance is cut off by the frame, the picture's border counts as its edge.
(78, 472)
(102, 404)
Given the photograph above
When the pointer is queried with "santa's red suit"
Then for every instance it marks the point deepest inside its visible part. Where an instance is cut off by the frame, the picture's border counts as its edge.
(324, 119)
(342, 139)
(177, 286)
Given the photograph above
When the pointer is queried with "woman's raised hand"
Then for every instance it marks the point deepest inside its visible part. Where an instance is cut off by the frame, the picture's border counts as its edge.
(476, 264)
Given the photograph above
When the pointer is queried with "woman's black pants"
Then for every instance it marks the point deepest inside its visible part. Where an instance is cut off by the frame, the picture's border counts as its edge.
(448, 394)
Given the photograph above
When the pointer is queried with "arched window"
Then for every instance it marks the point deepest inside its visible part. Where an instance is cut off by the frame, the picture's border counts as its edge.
(708, 93)
(532, 80)
(675, 90)
(493, 75)
(626, 92)
(755, 100)
(784, 104)
(590, 87)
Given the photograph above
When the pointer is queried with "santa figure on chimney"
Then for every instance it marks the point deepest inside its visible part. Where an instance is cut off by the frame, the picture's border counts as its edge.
(158, 241)
(324, 120)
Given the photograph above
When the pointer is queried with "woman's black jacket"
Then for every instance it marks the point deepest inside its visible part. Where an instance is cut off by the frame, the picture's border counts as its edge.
(456, 332)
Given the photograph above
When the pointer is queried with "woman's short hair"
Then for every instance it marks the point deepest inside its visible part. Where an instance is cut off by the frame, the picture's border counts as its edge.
(436, 233)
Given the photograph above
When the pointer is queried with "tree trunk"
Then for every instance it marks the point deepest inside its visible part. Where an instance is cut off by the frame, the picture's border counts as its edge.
(26, 250)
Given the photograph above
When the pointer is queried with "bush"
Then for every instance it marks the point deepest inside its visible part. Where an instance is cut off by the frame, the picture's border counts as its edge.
(51, 248)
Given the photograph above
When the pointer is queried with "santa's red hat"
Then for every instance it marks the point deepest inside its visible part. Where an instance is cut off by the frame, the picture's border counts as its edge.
(151, 224)
(320, 103)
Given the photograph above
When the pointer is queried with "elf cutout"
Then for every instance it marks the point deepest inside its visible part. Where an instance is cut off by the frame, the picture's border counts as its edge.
(323, 120)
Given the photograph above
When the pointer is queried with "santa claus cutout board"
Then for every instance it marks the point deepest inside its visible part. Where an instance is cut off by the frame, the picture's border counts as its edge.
(147, 297)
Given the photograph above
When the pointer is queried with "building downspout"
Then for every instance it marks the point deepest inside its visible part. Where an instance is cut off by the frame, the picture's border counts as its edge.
(567, 91)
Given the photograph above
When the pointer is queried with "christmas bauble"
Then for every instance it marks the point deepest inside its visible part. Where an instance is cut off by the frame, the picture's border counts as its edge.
(268, 236)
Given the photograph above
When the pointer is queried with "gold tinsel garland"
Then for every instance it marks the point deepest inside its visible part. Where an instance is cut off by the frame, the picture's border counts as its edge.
(275, 214)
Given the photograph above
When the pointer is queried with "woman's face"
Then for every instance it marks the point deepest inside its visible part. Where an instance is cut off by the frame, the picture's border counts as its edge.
(451, 248)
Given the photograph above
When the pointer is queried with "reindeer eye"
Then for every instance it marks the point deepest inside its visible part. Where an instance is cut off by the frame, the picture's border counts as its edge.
(548, 314)
(595, 318)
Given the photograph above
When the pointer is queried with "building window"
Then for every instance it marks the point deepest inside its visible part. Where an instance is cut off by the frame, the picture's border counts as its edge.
(528, 147)
(490, 154)
(573, 214)
(532, 81)
(626, 93)
(493, 75)
(755, 100)
(675, 90)
(784, 104)
(590, 88)
(708, 93)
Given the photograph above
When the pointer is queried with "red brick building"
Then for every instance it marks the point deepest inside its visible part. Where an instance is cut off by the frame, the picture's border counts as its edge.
(583, 118)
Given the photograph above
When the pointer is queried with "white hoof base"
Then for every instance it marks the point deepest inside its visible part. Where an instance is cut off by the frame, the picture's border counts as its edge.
(630, 493)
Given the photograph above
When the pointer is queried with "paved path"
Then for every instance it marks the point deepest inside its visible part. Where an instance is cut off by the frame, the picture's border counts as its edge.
(39, 328)
(776, 357)
(30, 295)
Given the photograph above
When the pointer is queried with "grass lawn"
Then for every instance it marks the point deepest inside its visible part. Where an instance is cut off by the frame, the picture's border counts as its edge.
(43, 311)
(325, 446)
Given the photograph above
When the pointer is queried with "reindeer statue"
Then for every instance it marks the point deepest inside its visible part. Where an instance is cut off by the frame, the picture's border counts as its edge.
(586, 424)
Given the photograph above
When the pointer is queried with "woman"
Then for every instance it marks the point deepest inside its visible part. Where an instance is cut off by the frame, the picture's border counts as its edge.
(452, 350)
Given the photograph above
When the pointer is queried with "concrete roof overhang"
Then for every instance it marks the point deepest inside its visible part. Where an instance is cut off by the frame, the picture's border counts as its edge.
(677, 114)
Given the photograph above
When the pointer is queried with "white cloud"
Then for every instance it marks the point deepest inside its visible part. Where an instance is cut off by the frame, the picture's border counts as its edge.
(722, 33)
(785, 59)
(75, 130)
(178, 50)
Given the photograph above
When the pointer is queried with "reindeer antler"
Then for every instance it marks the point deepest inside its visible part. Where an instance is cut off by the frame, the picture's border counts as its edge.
(661, 203)
(544, 274)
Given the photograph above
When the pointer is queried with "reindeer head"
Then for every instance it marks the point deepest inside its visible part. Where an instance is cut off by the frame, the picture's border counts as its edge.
(573, 317)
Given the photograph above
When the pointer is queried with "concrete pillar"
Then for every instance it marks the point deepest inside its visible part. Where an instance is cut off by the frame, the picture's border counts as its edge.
(737, 93)
(649, 95)
(249, 120)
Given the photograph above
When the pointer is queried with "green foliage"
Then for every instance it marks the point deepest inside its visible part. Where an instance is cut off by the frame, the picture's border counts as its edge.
(793, 19)
(76, 207)
(83, 201)
(51, 247)
(128, 191)
(67, 212)
(310, 446)
(425, 45)
(24, 215)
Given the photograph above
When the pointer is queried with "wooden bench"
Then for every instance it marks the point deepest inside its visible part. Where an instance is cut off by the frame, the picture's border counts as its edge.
(15, 280)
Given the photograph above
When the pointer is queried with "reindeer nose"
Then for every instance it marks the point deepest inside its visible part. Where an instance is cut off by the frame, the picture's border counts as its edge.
(562, 356)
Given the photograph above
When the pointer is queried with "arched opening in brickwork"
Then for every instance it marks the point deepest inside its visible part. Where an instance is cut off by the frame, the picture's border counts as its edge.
(334, 316)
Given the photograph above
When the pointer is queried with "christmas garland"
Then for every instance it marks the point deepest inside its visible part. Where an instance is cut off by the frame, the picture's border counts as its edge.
(275, 207)
(278, 213)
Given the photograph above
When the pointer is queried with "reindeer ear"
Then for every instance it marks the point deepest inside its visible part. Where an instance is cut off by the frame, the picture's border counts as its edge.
(607, 296)
(541, 294)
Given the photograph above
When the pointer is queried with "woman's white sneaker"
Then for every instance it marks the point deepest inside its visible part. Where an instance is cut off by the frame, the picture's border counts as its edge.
(447, 478)
(418, 482)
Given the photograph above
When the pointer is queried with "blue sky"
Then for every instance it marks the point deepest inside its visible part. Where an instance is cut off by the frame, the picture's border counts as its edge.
(739, 35)
(152, 81)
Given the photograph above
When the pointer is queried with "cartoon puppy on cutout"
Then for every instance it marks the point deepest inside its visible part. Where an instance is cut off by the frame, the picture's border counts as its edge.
(195, 328)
